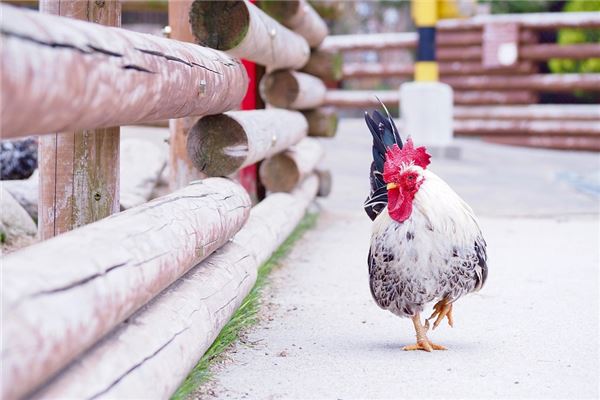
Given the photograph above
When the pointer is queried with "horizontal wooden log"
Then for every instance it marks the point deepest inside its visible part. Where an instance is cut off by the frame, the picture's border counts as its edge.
(370, 41)
(539, 82)
(391, 98)
(469, 38)
(373, 70)
(92, 66)
(152, 353)
(220, 145)
(572, 143)
(299, 16)
(322, 122)
(244, 31)
(578, 112)
(291, 89)
(547, 51)
(538, 21)
(451, 68)
(54, 308)
(284, 171)
(467, 53)
(326, 65)
(489, 97)
(361, 98)
(487, 127)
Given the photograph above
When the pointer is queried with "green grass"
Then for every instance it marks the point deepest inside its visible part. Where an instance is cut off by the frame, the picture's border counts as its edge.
(245, 316)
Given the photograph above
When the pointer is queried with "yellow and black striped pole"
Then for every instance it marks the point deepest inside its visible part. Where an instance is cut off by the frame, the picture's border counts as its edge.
(425, 16)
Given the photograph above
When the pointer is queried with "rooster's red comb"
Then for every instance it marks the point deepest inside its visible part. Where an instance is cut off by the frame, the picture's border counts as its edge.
(395, 156)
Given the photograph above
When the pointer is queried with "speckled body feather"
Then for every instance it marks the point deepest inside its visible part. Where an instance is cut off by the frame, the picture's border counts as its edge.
(437, 253)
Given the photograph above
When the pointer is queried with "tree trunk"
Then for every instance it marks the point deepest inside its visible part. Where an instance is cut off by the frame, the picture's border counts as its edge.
(152, 353)
(299, 16)
(108, 270)
(153, 78)
(284, 171)
(220, 145)
(326, 65)
(322, 122)
(291, 89)
(244, 31)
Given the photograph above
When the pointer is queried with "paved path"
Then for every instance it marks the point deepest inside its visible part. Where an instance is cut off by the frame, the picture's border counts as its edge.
(531, 333)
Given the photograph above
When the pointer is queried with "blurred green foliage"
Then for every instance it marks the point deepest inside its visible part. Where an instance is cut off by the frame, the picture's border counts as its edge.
(519, 6)
(572, 36)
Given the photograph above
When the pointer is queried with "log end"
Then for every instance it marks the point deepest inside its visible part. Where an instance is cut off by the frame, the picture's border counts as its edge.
(325, 182)
(220, 25)
(279, 89)
(280, 10)
(322, 122)
(279, 173)
(217, 145)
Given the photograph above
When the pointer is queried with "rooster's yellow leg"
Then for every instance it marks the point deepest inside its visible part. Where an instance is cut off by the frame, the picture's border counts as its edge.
(423, 343)
(442, 308)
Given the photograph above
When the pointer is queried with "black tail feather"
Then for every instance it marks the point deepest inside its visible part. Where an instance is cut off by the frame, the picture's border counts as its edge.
(385, 134)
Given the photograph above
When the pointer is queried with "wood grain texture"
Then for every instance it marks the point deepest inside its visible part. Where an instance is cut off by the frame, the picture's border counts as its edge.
(79, 170)
(152, 77)
(244, 31)
(221, 144)
(538, 82)
(55, 307)
(534, 21)
(486, 127)
(284, 171)
(570, 112)
(149, 355)
(292, 89)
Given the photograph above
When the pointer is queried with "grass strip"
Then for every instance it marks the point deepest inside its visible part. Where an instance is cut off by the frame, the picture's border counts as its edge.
(245, 316)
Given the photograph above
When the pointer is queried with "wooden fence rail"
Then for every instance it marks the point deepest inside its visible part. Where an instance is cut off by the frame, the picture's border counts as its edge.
(244, 31)
(381, 41)
(222, 144)
(148, 358)
(55, 307)
(104, 76)
(536, 21)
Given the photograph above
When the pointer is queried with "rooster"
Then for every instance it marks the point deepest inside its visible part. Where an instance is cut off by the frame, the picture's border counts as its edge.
(426, 243)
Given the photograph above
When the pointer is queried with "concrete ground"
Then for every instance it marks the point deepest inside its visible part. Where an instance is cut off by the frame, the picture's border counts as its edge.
(532, 332)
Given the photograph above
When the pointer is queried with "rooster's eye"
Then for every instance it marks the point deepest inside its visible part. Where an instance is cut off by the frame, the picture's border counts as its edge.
(411, 177)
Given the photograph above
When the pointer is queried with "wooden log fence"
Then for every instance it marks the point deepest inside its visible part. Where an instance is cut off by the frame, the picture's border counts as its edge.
(380, 41)
(538, 82)
(147, 358)
(322, 121)
(244, 31)
(326, 65)
(114, 267)
(222, 144)
(299, 16)
(484, 127)
(534, 21)
(284, 171)
(576, 143)
(578, 112)
(154, 78)
(292, 89)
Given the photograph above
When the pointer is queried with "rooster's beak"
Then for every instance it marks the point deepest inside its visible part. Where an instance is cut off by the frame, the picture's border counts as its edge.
(391, 186)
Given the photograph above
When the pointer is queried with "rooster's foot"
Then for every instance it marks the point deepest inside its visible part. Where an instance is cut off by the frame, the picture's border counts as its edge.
(425, 345)
(441, 309)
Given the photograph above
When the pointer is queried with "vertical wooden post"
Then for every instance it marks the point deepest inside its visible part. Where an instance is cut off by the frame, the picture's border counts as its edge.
(181, 169)
(79, 171)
